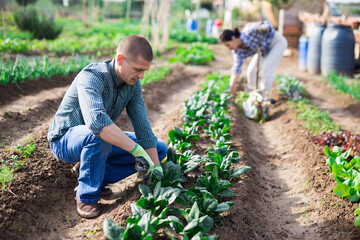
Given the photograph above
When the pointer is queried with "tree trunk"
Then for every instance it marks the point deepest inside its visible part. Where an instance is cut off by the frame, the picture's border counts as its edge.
(128, 10)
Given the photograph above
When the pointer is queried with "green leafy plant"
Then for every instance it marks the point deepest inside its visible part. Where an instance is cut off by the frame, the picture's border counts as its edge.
(26, 151)
(6, 175)
(140, 225)
(187, 160)
(290, 87)
(197, 54)
(207, 204)
(157, 200)
(180, 140)
(212, 184)
(189, 37)
(315, 119)
(155, 75)
(25, 68)
(340, 84)
(171, 176)
(197, 226)
(346, 174)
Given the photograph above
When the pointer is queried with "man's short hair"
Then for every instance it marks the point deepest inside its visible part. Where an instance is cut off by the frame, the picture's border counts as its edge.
(134, 46)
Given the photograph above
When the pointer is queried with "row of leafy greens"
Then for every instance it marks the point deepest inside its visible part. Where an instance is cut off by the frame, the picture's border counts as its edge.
(165, 204)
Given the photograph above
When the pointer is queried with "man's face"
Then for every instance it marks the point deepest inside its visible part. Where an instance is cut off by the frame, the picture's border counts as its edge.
(131, 71)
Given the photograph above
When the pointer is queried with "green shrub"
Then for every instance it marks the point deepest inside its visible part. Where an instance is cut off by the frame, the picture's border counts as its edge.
(47, 28)
(40, 25)
(25, 2)
(26, 18)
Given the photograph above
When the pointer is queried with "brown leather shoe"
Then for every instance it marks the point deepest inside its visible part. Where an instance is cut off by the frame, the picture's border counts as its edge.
(106, 192)
(75, 169)
(87, 210)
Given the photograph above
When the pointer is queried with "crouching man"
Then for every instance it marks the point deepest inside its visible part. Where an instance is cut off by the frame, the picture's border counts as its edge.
(83, 129)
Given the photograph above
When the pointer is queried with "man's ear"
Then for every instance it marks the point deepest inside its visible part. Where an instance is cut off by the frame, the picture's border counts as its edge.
(120, 59)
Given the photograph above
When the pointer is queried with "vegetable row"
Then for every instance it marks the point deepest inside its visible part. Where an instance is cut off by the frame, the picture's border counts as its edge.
(166, 206)
(342, 148)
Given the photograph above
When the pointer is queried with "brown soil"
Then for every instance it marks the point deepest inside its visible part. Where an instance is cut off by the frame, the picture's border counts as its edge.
(286, 195)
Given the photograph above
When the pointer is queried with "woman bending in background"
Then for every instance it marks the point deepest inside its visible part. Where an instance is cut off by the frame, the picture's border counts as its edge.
(245, 43)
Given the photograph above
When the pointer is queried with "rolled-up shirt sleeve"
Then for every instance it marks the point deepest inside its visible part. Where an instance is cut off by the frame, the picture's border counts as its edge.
(90, 90)
(137, 113)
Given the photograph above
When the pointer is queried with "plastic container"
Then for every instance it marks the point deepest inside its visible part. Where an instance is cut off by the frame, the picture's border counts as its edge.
(303, 50)
(314, 49)
(209, 25)
(337, 49)
(191, 25)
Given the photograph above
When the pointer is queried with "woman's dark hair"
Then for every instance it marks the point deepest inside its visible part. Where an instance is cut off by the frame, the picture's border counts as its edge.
(227, 34)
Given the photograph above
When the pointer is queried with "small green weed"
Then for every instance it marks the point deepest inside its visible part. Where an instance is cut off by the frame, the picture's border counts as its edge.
(6, 175)
(306, 211)
(25, 151)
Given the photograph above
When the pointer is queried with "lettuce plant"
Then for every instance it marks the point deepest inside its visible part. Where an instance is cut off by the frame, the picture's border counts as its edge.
(140, 225)
(187, 160)
(180, 140)
(206, 202)
(157, 200)
(212, 184)
(171, 176)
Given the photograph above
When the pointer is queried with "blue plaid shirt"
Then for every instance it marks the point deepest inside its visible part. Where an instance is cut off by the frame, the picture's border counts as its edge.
(93, 100)
(252, 39)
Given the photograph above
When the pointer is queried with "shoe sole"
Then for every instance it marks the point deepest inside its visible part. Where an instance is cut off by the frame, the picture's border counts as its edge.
(87, 214)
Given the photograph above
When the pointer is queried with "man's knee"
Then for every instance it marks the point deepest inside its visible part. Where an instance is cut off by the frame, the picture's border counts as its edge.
(90, 140)
(162, 149)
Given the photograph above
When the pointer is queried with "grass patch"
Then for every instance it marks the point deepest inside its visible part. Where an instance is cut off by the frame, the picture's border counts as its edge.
(155, 75)
(14, 161)
(340, 84)
(24, 68)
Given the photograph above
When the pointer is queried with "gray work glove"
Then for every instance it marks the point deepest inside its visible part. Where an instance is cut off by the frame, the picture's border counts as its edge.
(142, 167)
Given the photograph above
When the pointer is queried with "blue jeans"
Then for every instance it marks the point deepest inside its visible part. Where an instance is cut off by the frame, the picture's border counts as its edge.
(101, 163)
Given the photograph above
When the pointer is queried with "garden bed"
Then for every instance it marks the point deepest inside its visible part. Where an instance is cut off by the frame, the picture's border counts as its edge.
(286, 195)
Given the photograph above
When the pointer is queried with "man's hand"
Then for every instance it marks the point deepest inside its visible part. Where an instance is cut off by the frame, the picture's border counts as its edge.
(142, 167)
(138, 151)
(159, 168)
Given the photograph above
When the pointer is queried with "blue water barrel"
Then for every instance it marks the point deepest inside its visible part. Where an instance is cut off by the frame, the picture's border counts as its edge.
(314, 49)
(337, 49)
(303, 50)
(191, 25)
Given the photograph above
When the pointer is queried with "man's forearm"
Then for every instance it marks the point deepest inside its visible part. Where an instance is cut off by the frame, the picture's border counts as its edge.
(153, 154)
(113, 134)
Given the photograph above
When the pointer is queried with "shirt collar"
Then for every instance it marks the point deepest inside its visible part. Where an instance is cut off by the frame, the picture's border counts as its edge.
(113, 74)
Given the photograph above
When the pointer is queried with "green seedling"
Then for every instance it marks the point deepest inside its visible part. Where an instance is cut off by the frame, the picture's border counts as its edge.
(305, 212)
